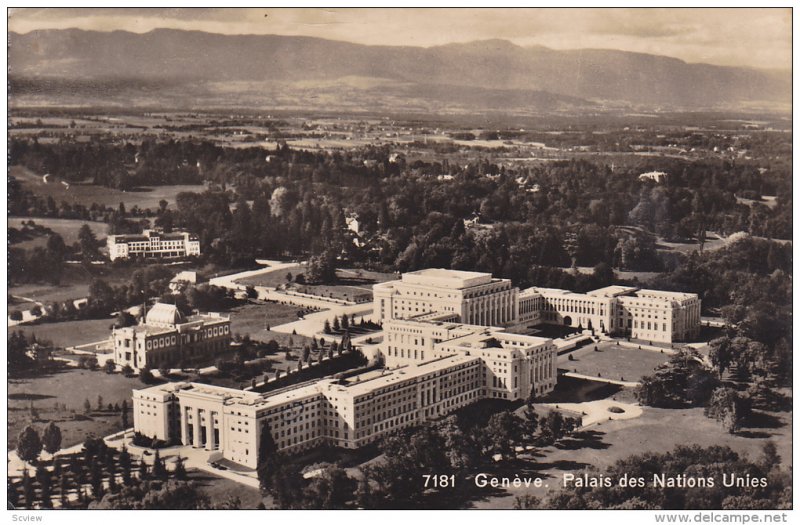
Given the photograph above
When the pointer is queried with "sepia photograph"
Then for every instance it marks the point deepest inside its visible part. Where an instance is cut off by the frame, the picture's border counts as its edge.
(440, 259)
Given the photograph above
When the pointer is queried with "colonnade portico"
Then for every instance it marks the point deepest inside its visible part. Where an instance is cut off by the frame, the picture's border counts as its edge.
(489, 310)
(199, 431)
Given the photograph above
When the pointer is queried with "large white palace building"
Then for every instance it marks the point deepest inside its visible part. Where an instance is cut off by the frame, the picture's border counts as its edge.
(153, 244)
(449, 340)
(477, 298)
(475, 363)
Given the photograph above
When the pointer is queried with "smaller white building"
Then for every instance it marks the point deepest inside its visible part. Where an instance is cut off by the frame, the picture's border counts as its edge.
(153, 244)
(656, 176)
(182, 280)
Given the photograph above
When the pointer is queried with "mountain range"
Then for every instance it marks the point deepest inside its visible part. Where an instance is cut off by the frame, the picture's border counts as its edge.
(191, 69)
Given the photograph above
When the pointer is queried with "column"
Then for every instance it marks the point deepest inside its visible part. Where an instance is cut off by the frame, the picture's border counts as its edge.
(210, 431)
(196, 426)
(184, 426)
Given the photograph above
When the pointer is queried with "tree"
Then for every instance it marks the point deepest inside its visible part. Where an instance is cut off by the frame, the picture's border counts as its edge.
(267, 456)
(306, 353)
(531, 423)
(124, 413)
(155, 495)
(96, 478)
(326, 328)
(144, 470)
(720, 354)
(125, 465)
(727, 407)
(109, 367)
(345, 322)
(51, 438)
(527, 501)
(27, 489)
(88, 242)
(179, 472)
(12, 494)
(159, 468)
(502, 432)
(322, 268)
(336, 326)
(459, 449)
(287, 486)
(29, 444)
(127, 371)
(146, 376)
(99, 402)
(331, 489)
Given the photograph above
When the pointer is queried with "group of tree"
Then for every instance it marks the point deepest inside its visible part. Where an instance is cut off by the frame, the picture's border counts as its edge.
(103, 477)
(684, 381)
(456, 445)
(582, 212)
(692, 462)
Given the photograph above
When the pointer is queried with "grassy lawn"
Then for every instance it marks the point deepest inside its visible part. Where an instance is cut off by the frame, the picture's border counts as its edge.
(70, 333)
(252, 318)
(220, 490)
(614, 362)
(76, 280)
(274, 278)
(350, 284)
(657, 430)
(66, 228)
(86, 194)
(46, 293)
(71, 388)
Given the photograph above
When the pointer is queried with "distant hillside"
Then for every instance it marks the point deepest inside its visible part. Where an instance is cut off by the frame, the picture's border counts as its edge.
(169, 67)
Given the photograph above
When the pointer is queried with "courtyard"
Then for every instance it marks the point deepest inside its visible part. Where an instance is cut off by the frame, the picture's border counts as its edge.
(613, 362)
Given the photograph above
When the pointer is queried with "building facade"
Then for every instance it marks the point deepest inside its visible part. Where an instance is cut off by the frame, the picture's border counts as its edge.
(512, 365)
(153, 244)
(476, 298)
(653, 315)
(167, 338)
(347, 413)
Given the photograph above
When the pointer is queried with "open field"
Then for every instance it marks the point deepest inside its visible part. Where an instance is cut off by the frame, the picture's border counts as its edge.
(657, 430)
(70, 333)
(86, 194)
(251, 319)
(273, 279)
(71, 388)
(614, 362)
(66, 228)
(46, 293)
(350, 285)
(75, 282)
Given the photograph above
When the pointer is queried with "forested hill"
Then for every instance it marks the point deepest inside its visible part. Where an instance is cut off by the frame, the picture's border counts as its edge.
(269, 70)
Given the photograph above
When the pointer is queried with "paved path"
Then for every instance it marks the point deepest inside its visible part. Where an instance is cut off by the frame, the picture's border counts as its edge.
(597, 411)
(229, 281)
(314, 323)
(602, 380)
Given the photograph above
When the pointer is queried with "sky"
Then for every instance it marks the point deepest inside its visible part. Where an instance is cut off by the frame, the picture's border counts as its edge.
(759, 38)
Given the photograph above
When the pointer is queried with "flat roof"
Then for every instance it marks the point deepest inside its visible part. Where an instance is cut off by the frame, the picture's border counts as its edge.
(449, 279)
(612, 291)
(443, 273)
(398, 375)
